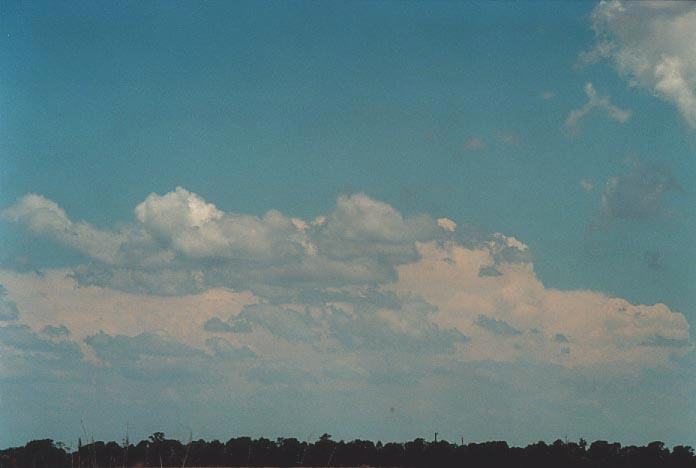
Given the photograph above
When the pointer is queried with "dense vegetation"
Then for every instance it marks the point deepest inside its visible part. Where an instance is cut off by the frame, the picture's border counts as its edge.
(244, 451)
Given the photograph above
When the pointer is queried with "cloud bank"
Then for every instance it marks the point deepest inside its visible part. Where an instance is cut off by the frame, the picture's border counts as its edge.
(194, 307)
(361, 278)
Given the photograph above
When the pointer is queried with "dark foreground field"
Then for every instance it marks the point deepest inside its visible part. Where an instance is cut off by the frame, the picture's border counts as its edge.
(158, 451)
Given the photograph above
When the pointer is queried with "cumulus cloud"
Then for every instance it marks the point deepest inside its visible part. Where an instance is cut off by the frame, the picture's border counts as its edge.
(193, 228)
(447, 224)
(44, 217)
(55, 298)
(457, 316)
(361, 227)
(604, 329)
(181, 244)
(638, 194)
(594, 101)
(651, 44)
(332, 291)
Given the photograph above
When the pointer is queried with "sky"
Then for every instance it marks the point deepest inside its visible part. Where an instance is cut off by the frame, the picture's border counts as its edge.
(372, 219)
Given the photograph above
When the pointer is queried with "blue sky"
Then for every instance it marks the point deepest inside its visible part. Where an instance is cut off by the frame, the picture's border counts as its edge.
(375, 115)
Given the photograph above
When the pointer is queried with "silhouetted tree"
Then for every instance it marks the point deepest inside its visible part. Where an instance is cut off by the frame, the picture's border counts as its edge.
(244, 451)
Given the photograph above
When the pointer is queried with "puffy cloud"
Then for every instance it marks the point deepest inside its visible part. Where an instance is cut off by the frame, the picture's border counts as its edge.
(508, 241)
(638, 194)
(361, 227)
(399, 311)
(447, 224)
(506, 249)
(44, 217)
(651, 43)
(181, 244)
(55, 298)
(603, 329)
(360, 280)
(196, 229)
(595, 101)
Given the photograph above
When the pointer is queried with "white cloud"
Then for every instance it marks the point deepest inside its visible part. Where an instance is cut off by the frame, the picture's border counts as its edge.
(374, 278)
(511, 242)
(599, 329)
(652, 45)
(181, 244)
(54, 298)
(595, 101)
(44, 217)
(198, 229)
(447, 224)
(361, 218)
(546, 95)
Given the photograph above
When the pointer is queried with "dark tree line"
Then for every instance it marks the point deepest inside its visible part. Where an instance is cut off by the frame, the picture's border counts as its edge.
(158, 451)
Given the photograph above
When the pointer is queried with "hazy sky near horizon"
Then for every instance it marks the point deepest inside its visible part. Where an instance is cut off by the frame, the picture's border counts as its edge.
(373, 219)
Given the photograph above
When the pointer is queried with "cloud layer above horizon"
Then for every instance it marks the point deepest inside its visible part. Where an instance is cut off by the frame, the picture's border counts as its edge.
(361, 278)
(448, 221)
